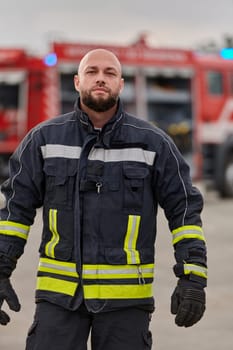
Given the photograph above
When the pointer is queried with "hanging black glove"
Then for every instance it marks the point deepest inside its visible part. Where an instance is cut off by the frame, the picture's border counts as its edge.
(188, 303)
(8, 294)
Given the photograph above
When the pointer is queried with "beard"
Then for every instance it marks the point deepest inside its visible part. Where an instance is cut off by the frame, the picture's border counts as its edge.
(99, 104)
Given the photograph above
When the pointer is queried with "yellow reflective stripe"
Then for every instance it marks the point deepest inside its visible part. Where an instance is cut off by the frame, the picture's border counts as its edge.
(131, 239)
(57, 267)
(117, 271)
(56, 285)
(11, 228)
(195, 269)
(137, 291)
(50, 246)
(188, 231)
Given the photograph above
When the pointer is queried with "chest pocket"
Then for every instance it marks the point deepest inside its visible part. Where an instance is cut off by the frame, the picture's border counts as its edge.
(60, 182)
(134, 183)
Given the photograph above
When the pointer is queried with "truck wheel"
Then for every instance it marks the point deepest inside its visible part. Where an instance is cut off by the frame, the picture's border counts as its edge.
(228, 178)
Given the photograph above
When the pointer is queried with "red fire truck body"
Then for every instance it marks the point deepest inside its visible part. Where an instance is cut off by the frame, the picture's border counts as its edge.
(28, 95)
(189, 95)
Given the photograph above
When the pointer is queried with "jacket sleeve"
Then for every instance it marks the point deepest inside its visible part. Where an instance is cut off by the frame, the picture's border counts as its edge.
(182, 204)
(23, 192)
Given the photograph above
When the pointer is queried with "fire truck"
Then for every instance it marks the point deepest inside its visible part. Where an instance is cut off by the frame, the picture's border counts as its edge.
(187, 94)
(28, 95)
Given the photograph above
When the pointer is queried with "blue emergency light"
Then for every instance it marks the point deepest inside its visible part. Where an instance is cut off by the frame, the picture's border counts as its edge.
(227, 53)
(50, 59)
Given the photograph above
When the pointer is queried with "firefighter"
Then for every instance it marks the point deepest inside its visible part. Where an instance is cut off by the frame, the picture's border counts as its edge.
(100, 173)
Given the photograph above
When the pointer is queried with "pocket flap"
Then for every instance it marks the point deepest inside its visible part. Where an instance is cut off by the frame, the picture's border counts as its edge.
(60, 169)
(131, 172)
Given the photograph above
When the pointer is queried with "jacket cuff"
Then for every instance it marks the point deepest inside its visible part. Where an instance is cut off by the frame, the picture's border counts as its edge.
(7, 265)
(191, 272)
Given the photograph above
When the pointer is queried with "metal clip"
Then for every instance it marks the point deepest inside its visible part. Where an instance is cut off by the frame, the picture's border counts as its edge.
(140, 275)
(98, 186)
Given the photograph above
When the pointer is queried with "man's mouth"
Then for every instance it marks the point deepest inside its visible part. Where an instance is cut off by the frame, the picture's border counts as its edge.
(100, 89)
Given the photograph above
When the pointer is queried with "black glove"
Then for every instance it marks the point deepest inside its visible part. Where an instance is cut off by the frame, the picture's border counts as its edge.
(8, 294)
(188, 303)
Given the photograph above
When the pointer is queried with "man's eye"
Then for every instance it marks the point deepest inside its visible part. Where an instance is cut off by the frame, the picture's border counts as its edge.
(111, 73)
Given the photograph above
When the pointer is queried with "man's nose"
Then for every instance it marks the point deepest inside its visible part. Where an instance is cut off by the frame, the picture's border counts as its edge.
(100, 77)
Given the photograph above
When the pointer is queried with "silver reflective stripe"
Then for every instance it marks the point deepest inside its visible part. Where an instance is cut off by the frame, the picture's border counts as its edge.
(61, 151)
(188, 232)
(195, 269)
(57, 267)
(105, 155)
(131, 239)
(50, 246)
(120, 155)
(116, 271)
(10, 228)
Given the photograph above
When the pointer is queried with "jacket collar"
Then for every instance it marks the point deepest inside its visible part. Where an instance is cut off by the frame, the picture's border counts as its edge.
(108, 128)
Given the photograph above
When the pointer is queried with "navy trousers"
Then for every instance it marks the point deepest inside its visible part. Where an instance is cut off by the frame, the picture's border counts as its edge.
(55, 328)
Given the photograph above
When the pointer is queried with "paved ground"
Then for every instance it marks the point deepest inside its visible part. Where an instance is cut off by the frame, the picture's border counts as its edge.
(213, 332)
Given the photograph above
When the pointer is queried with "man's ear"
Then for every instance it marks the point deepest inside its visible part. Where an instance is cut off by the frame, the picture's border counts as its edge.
(122, 85)
(76, 82)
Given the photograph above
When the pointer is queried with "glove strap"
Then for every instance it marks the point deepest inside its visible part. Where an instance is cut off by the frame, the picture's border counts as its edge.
(194, 294)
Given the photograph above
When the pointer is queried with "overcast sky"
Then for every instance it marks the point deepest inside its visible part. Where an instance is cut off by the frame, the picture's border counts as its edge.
(180, 23)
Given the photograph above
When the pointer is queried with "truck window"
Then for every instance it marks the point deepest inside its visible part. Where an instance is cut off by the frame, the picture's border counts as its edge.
(68, 93)
(128, 95)
(9, 94)
(215, 82)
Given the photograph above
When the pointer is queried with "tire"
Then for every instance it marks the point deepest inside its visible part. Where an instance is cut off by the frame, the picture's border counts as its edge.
(228, 178)
(224, 168)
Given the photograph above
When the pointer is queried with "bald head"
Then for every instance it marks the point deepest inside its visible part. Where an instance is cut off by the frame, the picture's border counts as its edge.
(106, 56)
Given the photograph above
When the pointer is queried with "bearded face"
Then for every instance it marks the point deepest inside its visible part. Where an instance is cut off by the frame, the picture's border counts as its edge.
(99, 81)
(98, 103)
